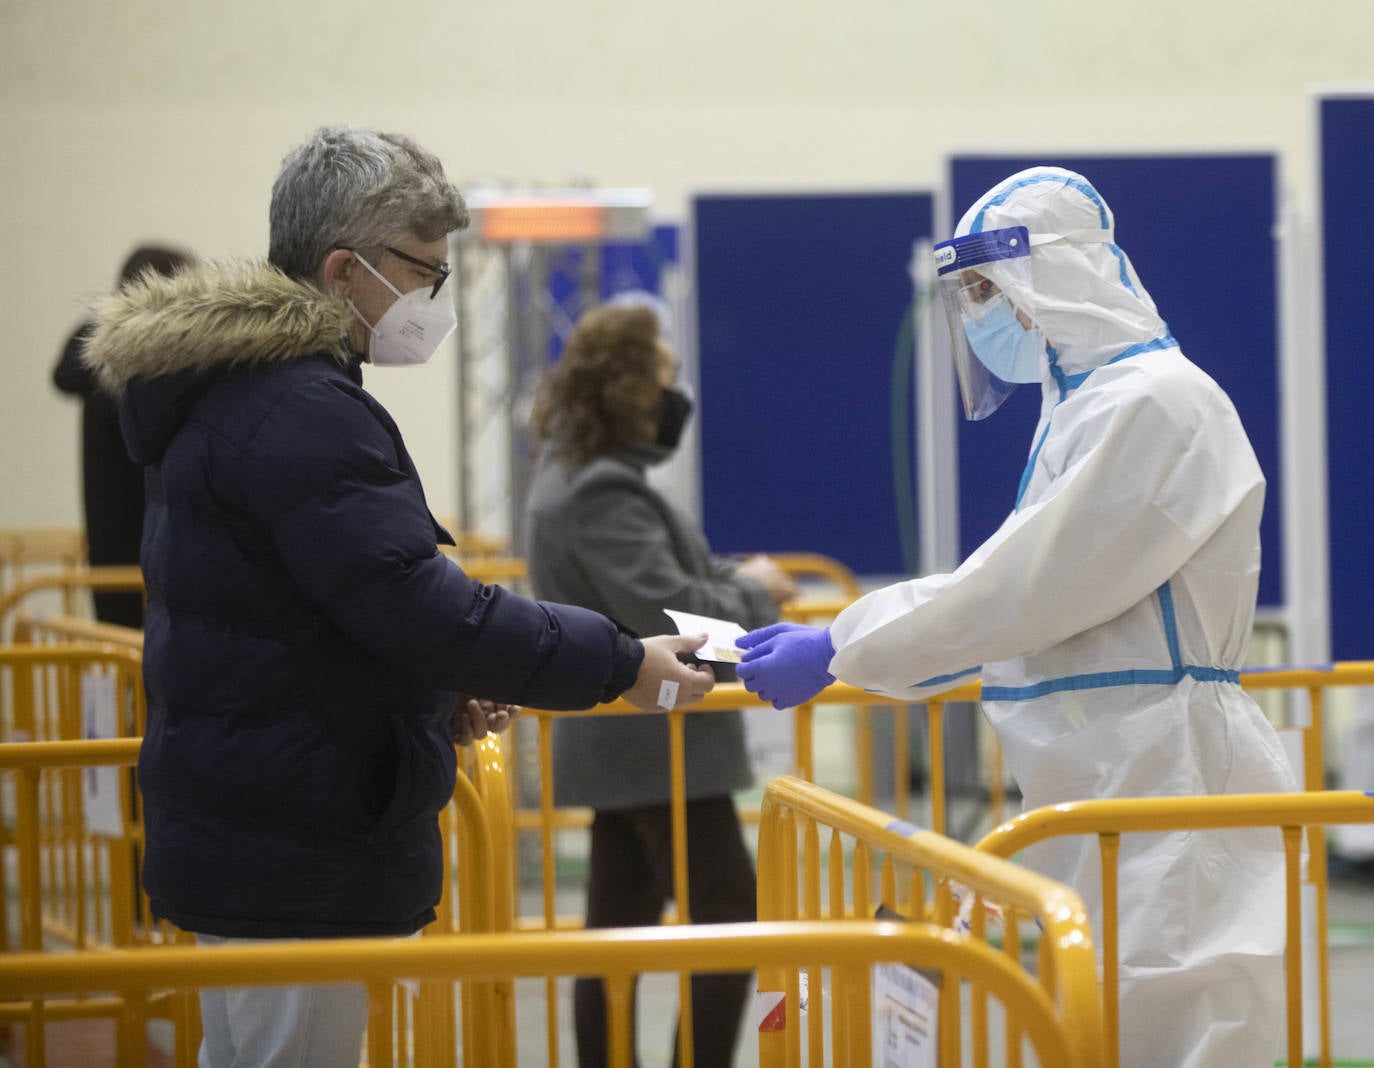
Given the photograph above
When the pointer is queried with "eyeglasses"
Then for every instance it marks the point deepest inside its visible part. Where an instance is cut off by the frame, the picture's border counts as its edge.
(443, 270)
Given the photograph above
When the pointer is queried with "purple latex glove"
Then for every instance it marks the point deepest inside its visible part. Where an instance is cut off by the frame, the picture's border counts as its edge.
(786, 663)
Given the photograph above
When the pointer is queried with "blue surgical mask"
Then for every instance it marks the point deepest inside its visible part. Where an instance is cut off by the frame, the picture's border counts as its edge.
(1005, 347)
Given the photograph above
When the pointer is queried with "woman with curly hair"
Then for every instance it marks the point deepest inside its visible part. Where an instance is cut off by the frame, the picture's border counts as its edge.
(601, 537)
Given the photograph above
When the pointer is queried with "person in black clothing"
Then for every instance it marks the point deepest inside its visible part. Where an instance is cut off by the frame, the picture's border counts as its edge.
(111, 483)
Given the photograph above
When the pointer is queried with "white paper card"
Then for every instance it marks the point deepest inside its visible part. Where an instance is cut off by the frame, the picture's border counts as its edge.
(906, 1018)
(100, 786)
(720, 635)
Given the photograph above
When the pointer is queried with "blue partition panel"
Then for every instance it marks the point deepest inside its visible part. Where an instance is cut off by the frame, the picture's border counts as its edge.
(1347, 198)
(806, 379)
(1199, 230)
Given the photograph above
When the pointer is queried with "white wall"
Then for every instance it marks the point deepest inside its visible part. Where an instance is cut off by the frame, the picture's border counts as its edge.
(126, 121)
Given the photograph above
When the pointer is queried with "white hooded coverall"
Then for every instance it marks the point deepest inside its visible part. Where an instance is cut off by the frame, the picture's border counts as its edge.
(1109, 615)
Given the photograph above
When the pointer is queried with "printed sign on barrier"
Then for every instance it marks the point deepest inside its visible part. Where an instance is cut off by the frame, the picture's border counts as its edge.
(906, 1018)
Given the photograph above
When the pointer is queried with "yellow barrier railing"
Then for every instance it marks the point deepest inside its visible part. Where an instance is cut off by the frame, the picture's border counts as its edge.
(617, 956)
(56, 892)
(26, 550)
(878, 831)
(488, 569)
(54, 630)
(1110, 819)
(44, 699)
(486, 893)
(487, 896)
(805, 567)
(1312, 680)
(546, 819)
(1068, 976)
(477, 836)
(69, 582)
(473, 543)
(41, 545)
(73, 579)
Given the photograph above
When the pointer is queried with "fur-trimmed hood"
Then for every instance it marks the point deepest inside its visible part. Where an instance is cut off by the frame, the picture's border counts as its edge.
(159, 342)
(210, 318)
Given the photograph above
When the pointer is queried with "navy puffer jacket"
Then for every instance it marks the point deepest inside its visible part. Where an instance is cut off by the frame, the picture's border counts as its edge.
(305, 641)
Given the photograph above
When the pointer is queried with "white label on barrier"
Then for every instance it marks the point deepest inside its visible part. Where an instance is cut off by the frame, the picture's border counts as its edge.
(906, 1018)
(100, 786)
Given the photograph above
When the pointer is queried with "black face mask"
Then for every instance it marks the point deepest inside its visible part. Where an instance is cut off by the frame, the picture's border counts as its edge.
(673, 412)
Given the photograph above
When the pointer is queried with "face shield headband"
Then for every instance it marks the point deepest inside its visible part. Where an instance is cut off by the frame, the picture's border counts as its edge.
(992, 351)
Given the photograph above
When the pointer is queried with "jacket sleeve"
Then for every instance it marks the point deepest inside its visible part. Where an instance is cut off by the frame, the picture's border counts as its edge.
(626, 553)
(1145, 481)
(71, 375)
(348, 517)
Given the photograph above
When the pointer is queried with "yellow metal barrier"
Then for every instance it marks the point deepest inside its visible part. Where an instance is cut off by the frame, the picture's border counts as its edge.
(56, 630)
(546, 819)
(478, 846)
(1068, 977)
(805, 567)
(44, 689)
(24, 550)
(488, 1002)
(618, 956)
(474, 543)
(794, 805)
(1313, 681)
(1110, 819)
(492, 570)
(57, 894)
(487, 896)
(73, 579)
(69, 582)
(477, 834)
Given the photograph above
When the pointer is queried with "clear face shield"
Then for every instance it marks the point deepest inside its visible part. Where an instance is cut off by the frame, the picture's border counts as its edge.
(993, 351)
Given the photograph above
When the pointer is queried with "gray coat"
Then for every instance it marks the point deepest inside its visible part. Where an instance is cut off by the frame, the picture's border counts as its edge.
(600, 537)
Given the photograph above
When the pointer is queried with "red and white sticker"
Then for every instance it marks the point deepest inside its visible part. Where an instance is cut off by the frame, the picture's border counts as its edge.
(770, 1006)
(770, 1010)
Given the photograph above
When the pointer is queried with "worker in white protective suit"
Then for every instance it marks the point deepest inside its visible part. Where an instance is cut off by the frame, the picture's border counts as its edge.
(1108, 615)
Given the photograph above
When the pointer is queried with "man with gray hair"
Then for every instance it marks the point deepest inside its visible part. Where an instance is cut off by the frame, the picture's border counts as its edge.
(310, 657)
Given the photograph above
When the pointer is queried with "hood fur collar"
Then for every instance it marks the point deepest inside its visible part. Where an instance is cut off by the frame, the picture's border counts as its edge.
(210, 318)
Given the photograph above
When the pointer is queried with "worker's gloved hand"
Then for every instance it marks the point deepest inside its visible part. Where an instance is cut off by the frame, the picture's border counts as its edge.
(786, 663)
